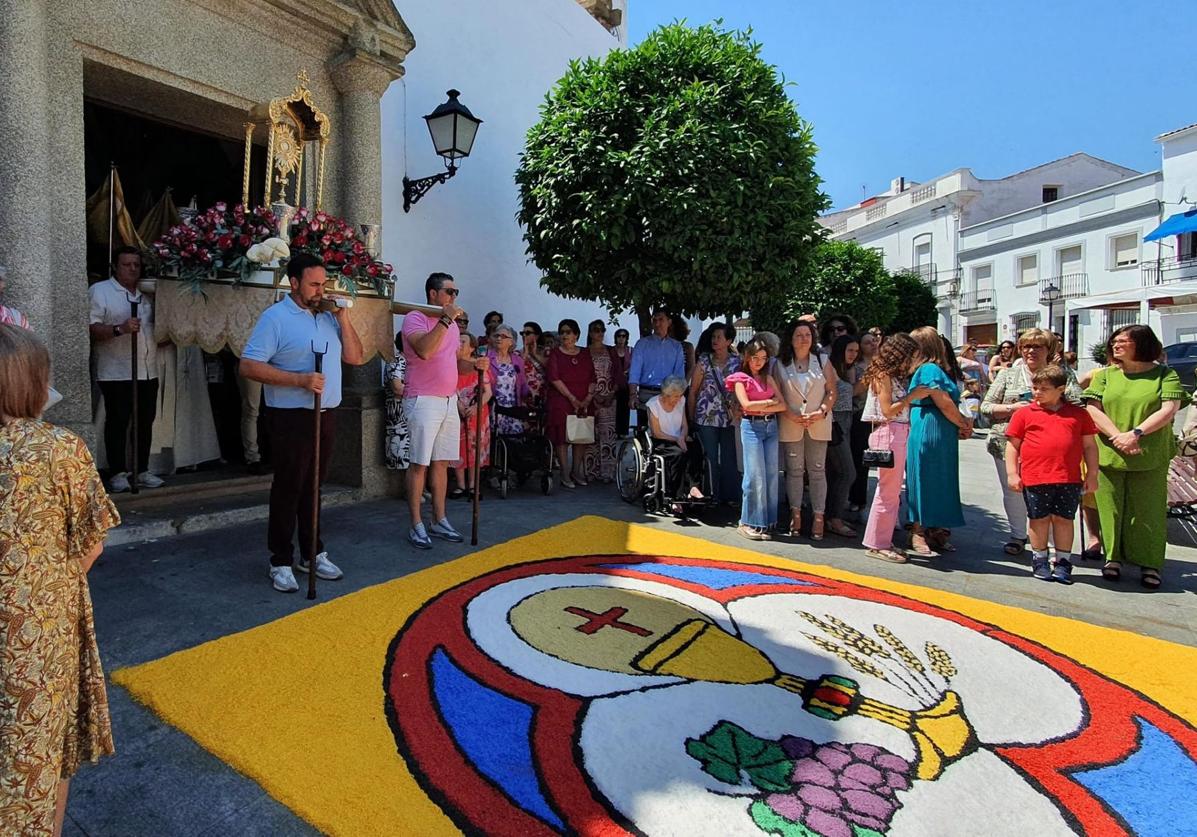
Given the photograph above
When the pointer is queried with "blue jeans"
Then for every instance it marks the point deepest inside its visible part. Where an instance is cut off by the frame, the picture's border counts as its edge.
(759, 439)
(719, 445)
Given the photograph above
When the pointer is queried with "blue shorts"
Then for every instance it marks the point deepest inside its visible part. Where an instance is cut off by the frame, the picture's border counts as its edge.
(1058, 498)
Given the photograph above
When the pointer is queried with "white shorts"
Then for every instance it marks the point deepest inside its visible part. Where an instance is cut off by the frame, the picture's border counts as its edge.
(434, 428)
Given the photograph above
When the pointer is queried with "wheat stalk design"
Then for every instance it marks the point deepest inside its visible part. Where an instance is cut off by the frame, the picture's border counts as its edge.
(904, 653)
(941, 661)
(859, 663)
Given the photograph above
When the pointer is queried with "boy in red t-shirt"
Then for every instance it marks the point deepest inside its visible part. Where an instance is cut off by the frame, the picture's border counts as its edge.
(1045, 443)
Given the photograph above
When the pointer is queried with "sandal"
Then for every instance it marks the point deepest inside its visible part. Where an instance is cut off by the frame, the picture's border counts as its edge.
(1093, 553)
(816, 528)
(919, 545)
(457, 493)
(1111, 571)
(1149, 578)
(795, 522)
(751, 533)
(937, 539)
(1015, 546)
(891, 555)
(839, 527)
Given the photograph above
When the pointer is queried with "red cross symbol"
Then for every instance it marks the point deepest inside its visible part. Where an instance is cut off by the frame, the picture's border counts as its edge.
(610, 619)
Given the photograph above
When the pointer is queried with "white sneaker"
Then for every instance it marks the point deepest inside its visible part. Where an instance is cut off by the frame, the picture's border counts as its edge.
(119, 483)
(284, 579)
(444, 529)
(147, 480)
(325, 568)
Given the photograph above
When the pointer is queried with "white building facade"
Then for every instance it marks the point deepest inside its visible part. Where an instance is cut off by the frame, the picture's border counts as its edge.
(916, 226)
(503, 63)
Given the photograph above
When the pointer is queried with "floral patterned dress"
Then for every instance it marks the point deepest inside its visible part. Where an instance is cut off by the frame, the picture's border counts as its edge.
(507, 395)
(467, 392)
(600, 457)
(398, 446)
(536, 381)
(53, 705)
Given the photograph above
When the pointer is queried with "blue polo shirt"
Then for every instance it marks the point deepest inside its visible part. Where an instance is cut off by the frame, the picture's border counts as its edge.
(654, 359)
(284, 337)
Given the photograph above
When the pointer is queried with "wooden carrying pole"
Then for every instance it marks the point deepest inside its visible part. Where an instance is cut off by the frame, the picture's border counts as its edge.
(134, 488)
(315, 541)
(477, 464)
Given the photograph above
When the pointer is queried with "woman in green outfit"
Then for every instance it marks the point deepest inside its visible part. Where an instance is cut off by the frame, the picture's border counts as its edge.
(1133, 405)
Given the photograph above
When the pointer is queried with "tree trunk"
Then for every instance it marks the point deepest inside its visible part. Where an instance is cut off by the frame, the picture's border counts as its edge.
(645, 318)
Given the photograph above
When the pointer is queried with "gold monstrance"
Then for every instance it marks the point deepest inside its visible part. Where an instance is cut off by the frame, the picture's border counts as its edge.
(291, 123)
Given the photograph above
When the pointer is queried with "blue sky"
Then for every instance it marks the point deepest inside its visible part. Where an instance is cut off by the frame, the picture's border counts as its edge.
(918, 88)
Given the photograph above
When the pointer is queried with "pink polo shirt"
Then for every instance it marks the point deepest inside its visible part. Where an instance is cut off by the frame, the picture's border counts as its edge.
(436, 376)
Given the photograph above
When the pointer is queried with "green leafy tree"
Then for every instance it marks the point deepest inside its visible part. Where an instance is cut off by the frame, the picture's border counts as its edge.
(841, 277)
(677, 172)
(914, 303)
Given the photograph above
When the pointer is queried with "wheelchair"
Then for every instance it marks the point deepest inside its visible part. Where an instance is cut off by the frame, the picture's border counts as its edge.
(518, 457)
(640, 476)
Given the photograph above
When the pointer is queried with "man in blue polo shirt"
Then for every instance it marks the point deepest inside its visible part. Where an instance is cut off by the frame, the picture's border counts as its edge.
(280, 355)
(655, 357)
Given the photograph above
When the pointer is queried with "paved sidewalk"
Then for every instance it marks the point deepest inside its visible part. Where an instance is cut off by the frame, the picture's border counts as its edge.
(155, 598)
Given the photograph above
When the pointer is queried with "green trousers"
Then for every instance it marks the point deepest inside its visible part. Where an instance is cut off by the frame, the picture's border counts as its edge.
(1133, 509)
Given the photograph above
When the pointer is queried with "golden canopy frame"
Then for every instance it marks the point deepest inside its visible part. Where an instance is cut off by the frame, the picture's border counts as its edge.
(290, 123)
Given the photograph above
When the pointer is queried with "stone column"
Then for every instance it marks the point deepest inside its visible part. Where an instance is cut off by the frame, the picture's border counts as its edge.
(26, 247)
(361, 76)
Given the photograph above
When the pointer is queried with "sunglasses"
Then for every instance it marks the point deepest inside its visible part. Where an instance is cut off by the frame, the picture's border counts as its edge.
(453, 292)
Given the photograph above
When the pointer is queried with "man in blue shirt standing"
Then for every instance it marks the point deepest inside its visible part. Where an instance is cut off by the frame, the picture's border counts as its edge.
(654, 358)
(279, 354)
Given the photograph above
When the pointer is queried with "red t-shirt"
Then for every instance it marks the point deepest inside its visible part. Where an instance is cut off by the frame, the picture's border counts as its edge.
(1051, 450)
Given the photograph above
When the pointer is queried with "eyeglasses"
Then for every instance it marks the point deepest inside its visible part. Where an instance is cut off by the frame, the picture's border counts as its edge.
(1123, 343)
(875, 332)
(504, 336)
(462, 321)
(1034, 348)
(839, 328)
(453, 292)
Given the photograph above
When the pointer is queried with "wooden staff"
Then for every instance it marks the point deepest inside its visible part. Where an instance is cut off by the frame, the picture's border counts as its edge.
(314, 545)
(134, 488)
(477, 466)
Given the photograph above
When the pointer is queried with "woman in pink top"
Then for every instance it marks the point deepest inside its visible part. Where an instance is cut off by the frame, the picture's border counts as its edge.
(758, 435)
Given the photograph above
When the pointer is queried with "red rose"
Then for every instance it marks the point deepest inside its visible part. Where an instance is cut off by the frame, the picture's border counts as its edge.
(326, 255)
(347, 270)
(204, 256)
(372, 270)
(245, 240)
(300, 241)
(359, 248)
(225, 241)
(388, 269)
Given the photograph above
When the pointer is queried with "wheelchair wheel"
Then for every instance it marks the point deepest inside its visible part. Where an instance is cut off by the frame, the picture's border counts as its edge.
(546, 484)
(504, 486)
(629, 470)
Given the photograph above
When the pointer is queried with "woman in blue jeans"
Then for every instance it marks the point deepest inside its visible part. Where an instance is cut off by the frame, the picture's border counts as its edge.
(714, 411)
(758, 435)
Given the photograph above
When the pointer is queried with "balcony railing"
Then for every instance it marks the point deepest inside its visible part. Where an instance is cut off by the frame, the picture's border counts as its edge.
(945, 283)
(839, 227)
(1064, 286)
(980, 299)
(925, 193)
(1164, 271)
(875, 212)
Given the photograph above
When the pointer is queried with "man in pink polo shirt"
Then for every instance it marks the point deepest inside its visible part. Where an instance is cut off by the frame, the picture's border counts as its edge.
(430, 404)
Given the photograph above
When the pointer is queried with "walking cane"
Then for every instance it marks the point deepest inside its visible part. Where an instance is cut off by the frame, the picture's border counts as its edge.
(477, 449)
(133, 302)
(315, 477)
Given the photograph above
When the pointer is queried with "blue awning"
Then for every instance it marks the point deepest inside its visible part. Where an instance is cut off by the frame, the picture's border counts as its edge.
(1181, 222)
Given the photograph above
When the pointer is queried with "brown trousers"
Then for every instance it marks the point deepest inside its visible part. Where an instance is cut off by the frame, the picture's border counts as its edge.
(292, 433)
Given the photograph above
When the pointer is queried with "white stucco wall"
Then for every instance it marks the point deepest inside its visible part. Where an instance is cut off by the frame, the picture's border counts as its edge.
(1073, 175)
(1180, 169)
(503, 58)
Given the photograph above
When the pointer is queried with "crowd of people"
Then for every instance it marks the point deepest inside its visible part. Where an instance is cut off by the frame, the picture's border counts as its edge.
(791, 425)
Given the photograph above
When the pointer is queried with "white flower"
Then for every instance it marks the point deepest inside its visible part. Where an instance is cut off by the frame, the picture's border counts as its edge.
(278, 247)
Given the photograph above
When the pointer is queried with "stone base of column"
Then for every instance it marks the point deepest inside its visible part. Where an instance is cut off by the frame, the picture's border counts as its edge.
(358, 455)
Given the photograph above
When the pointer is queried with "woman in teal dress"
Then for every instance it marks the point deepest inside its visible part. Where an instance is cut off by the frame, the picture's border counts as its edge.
(932, 452)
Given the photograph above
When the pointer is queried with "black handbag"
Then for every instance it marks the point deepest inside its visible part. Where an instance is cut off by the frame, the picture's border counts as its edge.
(837, 435)
(874, 458)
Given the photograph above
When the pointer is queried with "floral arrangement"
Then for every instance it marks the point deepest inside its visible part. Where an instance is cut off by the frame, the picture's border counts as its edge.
(335, 242)
(217, 240)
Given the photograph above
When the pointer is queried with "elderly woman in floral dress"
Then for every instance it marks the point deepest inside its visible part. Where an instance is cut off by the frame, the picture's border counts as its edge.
(509, 372)
(54, 516)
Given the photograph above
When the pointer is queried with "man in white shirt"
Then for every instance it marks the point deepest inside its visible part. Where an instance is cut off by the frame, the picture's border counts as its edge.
(113, 330)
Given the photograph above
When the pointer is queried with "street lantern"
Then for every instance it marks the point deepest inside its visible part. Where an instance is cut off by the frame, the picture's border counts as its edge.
(452, 128)
(1050, 295)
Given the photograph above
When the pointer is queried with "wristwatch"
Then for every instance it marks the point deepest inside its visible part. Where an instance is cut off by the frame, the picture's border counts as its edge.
(445, 321)
(1138, 431)
(116, 331)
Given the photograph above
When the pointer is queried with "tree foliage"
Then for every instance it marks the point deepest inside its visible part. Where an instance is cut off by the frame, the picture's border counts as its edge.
(841, 277)
(914, 301)
(677, 172)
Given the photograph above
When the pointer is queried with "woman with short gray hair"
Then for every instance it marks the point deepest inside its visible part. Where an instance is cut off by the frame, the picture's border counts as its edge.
(670, 432)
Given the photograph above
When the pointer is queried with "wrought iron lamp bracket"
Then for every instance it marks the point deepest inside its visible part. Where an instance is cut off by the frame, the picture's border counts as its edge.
(413, 190)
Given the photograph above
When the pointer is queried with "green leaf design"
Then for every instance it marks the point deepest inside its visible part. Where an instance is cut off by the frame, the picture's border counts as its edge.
(861, 831)
(771, 822)
(726, 750)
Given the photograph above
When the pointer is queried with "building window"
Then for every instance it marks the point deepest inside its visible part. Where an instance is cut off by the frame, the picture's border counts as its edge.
(1028, 270)
(1024, 321)
(983, 283)
(1116, 318)
(1051, 193)
(1124, 250)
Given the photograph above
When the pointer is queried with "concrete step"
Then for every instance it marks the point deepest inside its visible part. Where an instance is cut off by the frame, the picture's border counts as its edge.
(162, 513)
